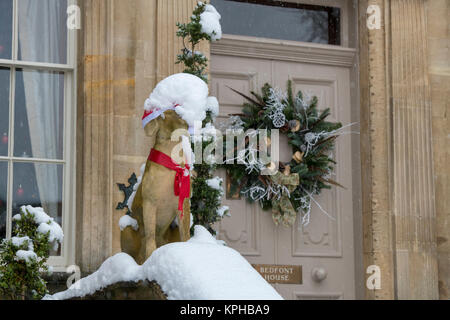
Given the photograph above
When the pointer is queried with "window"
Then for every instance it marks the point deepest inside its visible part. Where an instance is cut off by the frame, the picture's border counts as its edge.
(37, 70)
(280, 20)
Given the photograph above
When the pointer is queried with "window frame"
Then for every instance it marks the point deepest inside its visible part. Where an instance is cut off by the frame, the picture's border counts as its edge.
(68, 160)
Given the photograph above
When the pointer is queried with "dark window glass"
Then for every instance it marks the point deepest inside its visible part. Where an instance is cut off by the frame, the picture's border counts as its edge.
(5, 28)
(3, 196)
(280, 20)
(4, 111)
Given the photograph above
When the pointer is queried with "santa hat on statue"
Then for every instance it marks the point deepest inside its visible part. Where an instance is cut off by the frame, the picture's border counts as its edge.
(183, 92)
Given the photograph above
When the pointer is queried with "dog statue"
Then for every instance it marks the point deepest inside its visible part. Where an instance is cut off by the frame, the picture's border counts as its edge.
(155, 205)
(162, 197)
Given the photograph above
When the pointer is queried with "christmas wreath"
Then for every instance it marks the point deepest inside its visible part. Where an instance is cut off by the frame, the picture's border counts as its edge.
(291, 190)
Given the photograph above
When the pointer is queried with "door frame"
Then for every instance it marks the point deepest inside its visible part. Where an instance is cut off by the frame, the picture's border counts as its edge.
(304, 52)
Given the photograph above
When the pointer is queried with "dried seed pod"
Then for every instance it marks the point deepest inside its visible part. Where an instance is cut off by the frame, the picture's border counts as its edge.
(272, 166)
(287, 170)
(298, 156)
(294, 125)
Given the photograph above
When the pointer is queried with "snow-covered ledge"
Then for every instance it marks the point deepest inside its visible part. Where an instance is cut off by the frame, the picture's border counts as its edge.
(199, 269)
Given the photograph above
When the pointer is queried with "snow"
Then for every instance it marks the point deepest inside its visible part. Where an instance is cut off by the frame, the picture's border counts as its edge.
(187, 92)
(187, 151)
(209, 20)
(135, 187)
(46, 224)
(212, 105)
(207, 133)
(26, 255)
(199, 269)
(204, 269)
(20, 241)
(215, 183)
(118, 268)
(223, 210)
(127, 221)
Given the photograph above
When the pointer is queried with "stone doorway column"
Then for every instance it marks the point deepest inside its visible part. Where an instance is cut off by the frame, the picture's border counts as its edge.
(397, 159)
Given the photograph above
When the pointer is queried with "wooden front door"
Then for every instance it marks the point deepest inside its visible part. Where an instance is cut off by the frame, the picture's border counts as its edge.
(325, 245)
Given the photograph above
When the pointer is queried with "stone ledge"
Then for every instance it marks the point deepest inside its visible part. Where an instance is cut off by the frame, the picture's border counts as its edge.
(142, 290)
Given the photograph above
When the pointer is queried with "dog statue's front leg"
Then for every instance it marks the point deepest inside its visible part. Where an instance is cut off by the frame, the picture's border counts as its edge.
(149, 217)
(184, 225)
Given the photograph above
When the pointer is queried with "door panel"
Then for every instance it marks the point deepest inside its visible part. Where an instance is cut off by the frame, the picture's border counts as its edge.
(326, 242)
(251, 231)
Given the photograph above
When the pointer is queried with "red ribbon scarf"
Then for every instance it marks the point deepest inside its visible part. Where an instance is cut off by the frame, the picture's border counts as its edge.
(182, 183)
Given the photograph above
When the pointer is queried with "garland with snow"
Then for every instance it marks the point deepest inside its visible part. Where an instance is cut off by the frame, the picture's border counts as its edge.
(204, 25)
(207, 190)
(306, 175)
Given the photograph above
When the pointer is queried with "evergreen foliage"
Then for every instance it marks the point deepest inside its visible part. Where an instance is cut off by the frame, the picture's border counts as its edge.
(205, 200)
(23, 259)
(194, 61)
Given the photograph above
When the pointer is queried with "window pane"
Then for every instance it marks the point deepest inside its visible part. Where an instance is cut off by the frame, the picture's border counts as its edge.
(4, 110)
(42, 30)
(280, 20)
(38, 185)
(39, 114)
(3, 197)
(6, 28)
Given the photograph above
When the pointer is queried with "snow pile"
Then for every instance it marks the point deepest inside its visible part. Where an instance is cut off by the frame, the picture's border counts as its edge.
(215, 183)
(209, 20)
(25, 255)
(212, 105)
(223, 210)
(20, 241)
(118, 268)
(127, 221)
(187, 92)
(201, 268)
(208, 133)
(45, 224)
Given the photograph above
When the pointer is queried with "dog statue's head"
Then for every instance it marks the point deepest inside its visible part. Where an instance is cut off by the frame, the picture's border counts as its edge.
(163, 126)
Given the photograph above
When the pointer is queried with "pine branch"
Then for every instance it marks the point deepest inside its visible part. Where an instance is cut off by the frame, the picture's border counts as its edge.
(247, 97)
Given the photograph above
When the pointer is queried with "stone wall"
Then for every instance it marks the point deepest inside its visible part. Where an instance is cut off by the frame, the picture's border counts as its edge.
(439, 74)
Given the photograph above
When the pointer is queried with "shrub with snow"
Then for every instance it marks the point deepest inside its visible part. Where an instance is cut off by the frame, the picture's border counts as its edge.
(23, 257)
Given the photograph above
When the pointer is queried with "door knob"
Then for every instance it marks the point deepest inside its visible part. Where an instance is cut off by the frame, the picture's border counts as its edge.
(319, 274)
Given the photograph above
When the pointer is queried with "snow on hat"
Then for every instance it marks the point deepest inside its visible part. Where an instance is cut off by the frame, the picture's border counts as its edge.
(183, 92)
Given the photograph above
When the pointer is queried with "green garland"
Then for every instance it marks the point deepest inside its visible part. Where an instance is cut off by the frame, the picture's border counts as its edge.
(206, 207)
(312, 139)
